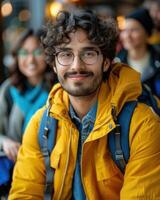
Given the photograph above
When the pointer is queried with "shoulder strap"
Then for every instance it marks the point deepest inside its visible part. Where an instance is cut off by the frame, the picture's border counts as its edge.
(47, 137)
(148, 98)
(118, 139)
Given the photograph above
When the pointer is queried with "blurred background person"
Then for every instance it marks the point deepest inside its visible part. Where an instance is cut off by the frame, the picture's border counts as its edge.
(137, 52)
(154, 9)
(104, 11)
(21, 95)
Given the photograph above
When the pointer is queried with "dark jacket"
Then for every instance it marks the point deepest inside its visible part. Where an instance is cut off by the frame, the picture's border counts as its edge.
(153, 81)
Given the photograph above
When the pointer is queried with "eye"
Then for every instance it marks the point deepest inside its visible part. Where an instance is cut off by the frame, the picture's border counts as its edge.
(65, 54)
(89, 54)
(38, 52)
(22, 52)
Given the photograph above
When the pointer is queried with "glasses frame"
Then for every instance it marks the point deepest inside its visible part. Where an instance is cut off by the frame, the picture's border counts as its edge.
(33, 53)
(80, 56)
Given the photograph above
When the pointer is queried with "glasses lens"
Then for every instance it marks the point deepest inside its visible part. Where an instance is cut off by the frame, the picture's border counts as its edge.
(37, 52)
(89, 56)
(22, 53)
(65, 57)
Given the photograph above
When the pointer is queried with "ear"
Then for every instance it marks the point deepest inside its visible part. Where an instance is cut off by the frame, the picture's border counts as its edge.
(106, 65)
(54, 68)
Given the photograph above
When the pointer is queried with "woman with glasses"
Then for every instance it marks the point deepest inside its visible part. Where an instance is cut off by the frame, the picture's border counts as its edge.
(22, 93)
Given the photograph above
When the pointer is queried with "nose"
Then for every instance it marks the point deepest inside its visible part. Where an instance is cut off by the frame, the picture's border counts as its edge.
(127, 32)
(31, 58)
(77, 63)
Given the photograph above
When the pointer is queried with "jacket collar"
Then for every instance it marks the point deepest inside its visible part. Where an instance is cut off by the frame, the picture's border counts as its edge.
(123, 85)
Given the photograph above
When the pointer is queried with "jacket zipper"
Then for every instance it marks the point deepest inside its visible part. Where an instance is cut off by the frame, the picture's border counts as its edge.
(81, 168)
(66, 167)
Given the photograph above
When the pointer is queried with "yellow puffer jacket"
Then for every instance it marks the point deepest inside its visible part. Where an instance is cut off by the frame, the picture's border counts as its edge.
(101, 178)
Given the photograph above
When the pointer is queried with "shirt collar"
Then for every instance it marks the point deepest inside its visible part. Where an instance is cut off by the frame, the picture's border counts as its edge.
(90, 116)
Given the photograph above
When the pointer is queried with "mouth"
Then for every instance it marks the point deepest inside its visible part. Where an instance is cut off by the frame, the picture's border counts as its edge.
(31, 66)
(78, 76)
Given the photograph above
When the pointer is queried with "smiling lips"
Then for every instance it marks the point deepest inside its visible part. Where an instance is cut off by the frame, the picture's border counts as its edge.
(31, 66)
(78, 76)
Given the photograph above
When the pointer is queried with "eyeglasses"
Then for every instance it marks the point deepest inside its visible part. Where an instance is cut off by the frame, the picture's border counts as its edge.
(24, 53)
(66, 58)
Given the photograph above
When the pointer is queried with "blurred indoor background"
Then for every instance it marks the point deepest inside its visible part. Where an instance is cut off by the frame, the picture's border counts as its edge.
(17, 15)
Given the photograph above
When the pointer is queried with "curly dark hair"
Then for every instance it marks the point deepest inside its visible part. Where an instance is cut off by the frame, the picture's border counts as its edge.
(102, 33)
(17, 78)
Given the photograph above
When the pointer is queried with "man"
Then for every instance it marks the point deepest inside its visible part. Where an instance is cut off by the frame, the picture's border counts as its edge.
(80, 48)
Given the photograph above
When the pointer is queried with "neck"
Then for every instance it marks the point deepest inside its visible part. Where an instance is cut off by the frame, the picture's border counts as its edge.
(138, 53)
(35, 80)
(83, 104)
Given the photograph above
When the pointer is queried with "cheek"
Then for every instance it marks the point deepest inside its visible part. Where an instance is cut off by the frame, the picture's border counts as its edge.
(158, 14)
(132, 38)
(137, 36)
(140, 39)
(21, 63)
(41, 63)
(60, 71)
(123, 35)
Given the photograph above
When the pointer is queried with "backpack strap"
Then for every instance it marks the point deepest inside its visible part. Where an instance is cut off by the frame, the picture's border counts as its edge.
(47, 137)
(118, 139)
(148, 98)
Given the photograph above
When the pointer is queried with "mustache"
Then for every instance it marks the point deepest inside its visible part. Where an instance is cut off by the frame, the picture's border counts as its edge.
(85, 73)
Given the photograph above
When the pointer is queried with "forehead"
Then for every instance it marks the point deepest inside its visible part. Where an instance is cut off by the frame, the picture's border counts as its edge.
(155, 5)
(30, 42)
(132, 23)
(78, 39)
(79, 35)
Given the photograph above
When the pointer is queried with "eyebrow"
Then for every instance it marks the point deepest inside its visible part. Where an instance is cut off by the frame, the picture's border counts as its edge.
(70, 49)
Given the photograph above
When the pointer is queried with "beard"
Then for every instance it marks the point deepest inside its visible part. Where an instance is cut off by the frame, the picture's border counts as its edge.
(81, 88)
